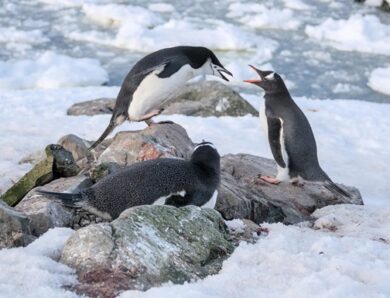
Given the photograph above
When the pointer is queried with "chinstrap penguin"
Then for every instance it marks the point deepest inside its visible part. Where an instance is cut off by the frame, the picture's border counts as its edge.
(155, 77)
(289, 134)
(164, 181)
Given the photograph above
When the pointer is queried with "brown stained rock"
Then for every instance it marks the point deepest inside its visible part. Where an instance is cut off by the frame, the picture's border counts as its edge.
(158, 140)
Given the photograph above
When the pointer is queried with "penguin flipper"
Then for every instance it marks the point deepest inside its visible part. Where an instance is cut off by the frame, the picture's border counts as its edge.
(170, 67)
(274, 128)
(72, 200)
(337, 190)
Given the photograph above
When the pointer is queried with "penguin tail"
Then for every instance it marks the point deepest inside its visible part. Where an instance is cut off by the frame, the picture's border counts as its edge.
(337, 190)
(72, 200)
(107, 131)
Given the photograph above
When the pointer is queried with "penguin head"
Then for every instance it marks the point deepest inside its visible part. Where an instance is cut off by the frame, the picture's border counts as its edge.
(270, 81)
(205, 58)
(206, 156)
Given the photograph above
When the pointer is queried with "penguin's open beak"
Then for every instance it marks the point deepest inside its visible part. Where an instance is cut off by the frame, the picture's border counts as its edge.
(222, 70)
(256, 81)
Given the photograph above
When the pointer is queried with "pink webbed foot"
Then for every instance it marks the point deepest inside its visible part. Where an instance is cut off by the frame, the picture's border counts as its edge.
(270, 179)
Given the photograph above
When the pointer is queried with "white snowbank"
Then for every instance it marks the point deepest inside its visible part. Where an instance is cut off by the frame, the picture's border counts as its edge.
(218, 35)
(375, 2)
(161, 7)
(72, 3)
(32, 271)
(259, 16)
(51, 70)
(300, 262)
(379, 80)
(116, 14)
(355, 221)
(358, 33)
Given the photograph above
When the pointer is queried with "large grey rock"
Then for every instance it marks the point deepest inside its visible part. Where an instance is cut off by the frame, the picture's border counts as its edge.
(156, 141)
(92, 107)
(44, 212)
(243, 195)
(209, 98)
(145, 247)
(14, 227)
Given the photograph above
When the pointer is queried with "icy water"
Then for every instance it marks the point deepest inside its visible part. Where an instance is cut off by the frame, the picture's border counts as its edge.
(313, 68)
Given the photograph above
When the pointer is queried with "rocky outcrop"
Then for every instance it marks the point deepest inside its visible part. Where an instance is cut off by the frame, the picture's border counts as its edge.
(45, 213)
(382, 4)
(145, 247)
(204, 99)
(14, 227)
(156, 141)
(244, 195)
(58, 163)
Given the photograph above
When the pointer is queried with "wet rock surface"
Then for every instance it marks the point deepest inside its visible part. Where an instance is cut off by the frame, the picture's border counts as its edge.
(147, 246)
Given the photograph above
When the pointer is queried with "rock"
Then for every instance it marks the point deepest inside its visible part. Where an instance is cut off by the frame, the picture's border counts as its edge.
(79, 149)
(243, 195)
(92, 107)
(14, 228)
(209, 98)
(145, 247)
(45, 213)
(382, 4)
(102, 170)
(58, 163)
(156, 141)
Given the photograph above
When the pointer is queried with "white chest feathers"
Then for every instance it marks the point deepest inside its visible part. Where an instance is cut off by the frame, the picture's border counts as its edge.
(213, 200)
(153, 91)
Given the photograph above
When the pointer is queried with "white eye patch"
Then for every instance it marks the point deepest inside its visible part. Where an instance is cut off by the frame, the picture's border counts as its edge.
(271, 76)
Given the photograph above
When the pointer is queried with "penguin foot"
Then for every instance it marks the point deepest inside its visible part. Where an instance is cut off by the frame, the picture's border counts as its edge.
(270, 179)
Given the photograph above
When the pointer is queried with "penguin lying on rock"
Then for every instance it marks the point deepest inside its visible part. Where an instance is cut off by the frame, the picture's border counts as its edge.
(161, 181)
(154, 78)
(289, 134)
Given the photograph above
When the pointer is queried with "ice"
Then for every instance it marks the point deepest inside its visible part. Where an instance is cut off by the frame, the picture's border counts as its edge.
(51, 70)
(260, 16)
(115, 14)
(33, 271)
(161, 7)
(296, 4)
(300, 262)
(13, 35)
(363, 33)
(218, 35)
(379, 80)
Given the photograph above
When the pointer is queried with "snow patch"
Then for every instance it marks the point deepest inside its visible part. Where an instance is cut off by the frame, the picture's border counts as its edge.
(379, 80)
(161, 7)
(235, 225)
(33, 272)
(51, 70)
(358, 33)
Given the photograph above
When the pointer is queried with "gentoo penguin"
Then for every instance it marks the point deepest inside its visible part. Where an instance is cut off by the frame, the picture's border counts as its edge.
(289, 134)
(168, 181)
(155, 77)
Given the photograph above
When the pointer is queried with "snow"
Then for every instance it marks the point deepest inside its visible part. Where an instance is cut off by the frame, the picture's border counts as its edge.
(379, 80)
(33, 271)
(51, 70)
(235, 225)
(296, 261)
(259, 16)
(13, 35)
(161, 7)
(375, 2)
(364, 33)
(296, 4)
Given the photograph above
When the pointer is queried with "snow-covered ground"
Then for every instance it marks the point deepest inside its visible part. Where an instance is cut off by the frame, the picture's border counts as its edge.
(54, 53)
